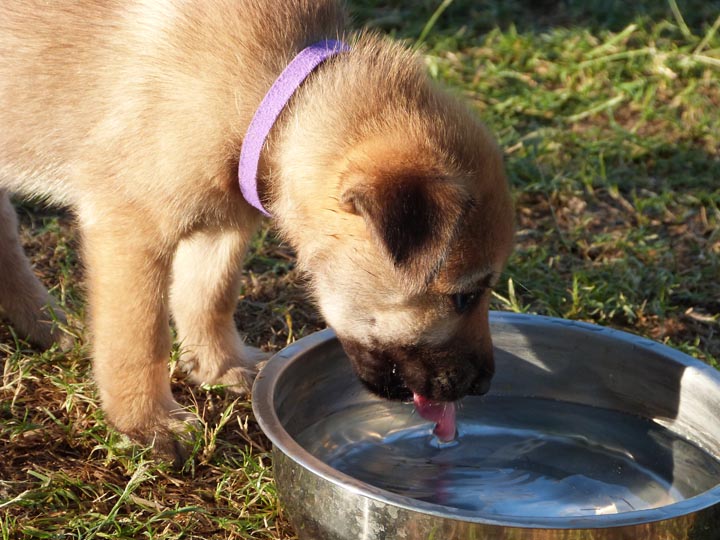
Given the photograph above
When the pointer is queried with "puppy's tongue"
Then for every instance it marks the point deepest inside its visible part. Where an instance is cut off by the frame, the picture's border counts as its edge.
(440, 412)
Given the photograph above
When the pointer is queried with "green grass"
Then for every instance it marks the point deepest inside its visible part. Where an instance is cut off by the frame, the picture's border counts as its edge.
(608, 114)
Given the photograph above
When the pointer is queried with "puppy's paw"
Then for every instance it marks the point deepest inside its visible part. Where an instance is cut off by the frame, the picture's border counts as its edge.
(236, 372)
(60, 334)
(172, 437)
(254, 359)
(49, 328)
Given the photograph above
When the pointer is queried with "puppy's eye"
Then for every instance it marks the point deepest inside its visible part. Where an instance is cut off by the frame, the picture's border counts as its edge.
(464, 302)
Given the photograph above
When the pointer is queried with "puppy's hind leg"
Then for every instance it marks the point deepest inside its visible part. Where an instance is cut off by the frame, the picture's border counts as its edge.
(204, 293)
(23, 299)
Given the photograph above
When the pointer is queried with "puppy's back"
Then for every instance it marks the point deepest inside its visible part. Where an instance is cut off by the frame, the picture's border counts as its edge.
(91, 88)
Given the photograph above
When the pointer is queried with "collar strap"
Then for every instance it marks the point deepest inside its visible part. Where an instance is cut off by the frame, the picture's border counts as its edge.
(270, 108)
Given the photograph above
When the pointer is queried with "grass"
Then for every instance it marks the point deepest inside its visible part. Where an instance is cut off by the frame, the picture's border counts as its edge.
(608, 116)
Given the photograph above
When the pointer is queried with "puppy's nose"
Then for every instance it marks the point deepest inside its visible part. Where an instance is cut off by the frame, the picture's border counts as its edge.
(481, 385)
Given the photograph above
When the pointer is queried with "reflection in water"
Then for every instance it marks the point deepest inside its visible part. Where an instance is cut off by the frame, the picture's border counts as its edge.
(516, 457)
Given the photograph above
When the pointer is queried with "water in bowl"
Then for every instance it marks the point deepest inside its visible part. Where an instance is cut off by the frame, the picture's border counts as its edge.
(516, 457)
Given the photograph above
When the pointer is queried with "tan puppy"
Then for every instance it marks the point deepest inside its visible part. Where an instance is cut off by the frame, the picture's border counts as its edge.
(132, 112)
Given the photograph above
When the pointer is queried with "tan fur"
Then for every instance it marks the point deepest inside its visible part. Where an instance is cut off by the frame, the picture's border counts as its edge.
(132, 113)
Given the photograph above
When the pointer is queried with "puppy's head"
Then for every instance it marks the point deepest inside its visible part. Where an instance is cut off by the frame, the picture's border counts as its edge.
(407, 282)
(396, 200)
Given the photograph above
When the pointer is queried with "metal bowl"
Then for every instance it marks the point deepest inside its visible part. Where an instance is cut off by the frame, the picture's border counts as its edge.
(588, 433)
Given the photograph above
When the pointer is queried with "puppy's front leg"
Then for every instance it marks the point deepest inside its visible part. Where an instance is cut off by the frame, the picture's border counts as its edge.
(128, 273)
(205, 286)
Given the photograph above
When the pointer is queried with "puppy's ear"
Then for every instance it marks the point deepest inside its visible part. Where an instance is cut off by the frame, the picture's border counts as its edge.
(413, 217)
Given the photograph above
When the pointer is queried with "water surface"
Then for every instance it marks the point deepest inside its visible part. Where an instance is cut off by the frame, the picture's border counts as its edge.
(516, 456)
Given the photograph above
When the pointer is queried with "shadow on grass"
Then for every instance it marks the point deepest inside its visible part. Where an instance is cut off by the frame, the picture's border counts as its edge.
(406, 19)
(657, 167)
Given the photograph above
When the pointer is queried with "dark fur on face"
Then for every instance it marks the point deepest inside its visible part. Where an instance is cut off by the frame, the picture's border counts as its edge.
(413, 215)
(442, 374)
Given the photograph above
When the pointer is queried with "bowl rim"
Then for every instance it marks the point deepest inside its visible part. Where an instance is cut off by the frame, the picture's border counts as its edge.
(266, 416)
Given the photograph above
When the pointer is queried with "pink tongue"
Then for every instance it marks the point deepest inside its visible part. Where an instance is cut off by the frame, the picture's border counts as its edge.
(440, 412)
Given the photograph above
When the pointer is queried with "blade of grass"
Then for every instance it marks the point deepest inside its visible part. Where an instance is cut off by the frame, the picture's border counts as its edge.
(710, 34)
(680, 20)
(622, 36)
(431, 23)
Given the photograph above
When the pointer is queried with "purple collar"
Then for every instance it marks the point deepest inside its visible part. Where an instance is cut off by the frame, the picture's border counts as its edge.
(272, 104)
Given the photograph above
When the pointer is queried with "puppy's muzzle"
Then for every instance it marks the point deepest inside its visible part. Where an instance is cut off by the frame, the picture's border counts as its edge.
(442, 374)
(481, 385)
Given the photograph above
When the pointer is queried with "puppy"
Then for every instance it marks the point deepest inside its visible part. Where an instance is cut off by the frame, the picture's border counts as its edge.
(133, 113)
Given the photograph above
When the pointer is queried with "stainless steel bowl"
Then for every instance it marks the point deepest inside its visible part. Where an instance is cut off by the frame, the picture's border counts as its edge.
(588, 433)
